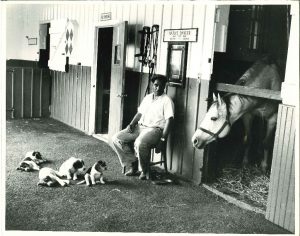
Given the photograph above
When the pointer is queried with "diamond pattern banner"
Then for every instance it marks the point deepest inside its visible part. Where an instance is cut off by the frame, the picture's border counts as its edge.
(69, 39)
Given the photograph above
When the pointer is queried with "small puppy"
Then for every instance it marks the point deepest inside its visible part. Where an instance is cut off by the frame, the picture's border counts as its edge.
(28, 166)
(72, 167)
(34, 156)
(49, 177)
(31, 161)
(94, 173)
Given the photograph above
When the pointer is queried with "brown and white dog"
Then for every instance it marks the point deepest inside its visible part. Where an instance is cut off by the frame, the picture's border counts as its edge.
(31, 161)
(72, 167)
(94, 174)
(49, 177)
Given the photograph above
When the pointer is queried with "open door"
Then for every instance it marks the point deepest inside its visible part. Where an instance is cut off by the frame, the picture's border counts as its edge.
(117, 78)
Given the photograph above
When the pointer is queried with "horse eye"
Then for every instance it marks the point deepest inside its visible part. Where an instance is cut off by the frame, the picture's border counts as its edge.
(213, 118)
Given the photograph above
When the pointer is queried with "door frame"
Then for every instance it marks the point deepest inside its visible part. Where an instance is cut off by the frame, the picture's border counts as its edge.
(92, 118)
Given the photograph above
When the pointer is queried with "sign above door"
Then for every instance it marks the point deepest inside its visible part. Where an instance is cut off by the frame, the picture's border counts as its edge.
(181, 35)
(106, 16)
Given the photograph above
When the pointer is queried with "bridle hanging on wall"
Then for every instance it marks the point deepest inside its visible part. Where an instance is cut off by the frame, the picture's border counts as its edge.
(148, 50)
(145, 40)
(152, 57)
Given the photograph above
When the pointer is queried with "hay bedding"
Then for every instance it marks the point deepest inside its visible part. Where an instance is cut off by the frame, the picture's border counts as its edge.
(247, 184)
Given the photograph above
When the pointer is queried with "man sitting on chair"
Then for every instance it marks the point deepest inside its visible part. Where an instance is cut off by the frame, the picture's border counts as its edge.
(148, 129)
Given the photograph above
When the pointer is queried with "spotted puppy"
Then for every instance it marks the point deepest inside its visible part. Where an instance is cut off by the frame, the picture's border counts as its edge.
(49, 177)
(72, 167)
(34, 156)
(94, 173)
(31, 161)
(28, 166)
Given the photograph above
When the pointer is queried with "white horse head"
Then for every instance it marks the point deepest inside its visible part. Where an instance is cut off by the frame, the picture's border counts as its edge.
(214, 125)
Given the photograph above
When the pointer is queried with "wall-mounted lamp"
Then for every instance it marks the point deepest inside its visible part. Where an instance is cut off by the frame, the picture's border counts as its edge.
(31, 41)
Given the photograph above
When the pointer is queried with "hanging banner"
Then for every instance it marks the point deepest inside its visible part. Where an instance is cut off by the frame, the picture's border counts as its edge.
(181, 35)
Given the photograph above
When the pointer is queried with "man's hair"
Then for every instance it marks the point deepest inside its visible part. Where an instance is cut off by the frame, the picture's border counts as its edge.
(161, 78)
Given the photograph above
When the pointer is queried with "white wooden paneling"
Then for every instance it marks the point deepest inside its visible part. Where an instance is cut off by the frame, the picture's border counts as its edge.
(162, 53)
(177, 16)
(166, 14)
(194, 61)
(139, 25)
(187, 22)
(130, 14)
(281, 198)
(157, 20)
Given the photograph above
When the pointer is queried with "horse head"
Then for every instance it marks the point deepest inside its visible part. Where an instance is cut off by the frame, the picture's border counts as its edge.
(214, 125)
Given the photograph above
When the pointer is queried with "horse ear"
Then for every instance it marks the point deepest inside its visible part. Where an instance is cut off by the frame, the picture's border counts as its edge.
(214, 97)
(219, 100)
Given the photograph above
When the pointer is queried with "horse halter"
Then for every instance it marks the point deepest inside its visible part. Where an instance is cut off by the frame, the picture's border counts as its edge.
(216, 135)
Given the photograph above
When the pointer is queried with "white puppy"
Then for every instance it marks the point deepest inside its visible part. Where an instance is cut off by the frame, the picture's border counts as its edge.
(94, 173)
(72, 167)
(31, 161)
(49, 177)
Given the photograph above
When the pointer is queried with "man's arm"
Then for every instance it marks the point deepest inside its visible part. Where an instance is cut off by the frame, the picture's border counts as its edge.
(134, 121)
(160, 145)
(167, 128)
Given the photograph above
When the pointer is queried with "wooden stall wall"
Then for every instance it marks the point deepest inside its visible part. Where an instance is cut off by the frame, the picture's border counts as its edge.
(27, 91)
(71, 96)
(281, 198)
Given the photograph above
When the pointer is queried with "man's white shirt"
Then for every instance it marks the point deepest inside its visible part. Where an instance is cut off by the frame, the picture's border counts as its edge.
(156, 111)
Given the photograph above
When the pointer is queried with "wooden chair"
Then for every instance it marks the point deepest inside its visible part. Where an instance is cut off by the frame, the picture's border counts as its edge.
(163, 160)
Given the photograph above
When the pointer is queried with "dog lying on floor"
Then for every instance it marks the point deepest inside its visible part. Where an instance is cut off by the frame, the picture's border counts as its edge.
(28, 166)
(72, 167)
(49, 177)
(31, 161)
(94, 173)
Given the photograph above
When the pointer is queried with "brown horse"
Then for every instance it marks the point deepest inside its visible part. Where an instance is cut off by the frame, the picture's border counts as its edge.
(224, 112)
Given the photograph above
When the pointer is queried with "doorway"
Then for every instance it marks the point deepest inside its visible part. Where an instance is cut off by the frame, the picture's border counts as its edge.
(103, 79)
(44, 45)
(109, 79)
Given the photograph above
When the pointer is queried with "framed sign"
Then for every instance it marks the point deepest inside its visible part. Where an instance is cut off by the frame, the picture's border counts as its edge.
(32, 41)
(181, 35)
(106, 16)
(176, 64)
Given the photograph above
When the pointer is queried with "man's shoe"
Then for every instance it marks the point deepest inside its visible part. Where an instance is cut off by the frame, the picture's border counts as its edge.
(142, 176)
(133, 169)
(131, 172)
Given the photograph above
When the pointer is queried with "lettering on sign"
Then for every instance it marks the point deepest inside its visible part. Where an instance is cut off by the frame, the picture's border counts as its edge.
(181, 35)
(106, 16)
